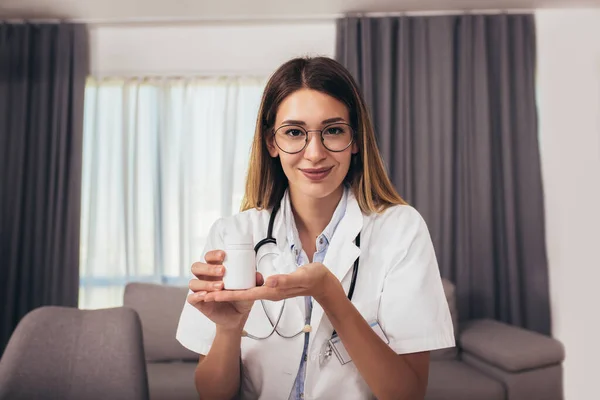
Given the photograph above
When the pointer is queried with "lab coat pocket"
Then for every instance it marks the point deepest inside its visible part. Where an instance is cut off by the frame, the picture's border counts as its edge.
(369, 311)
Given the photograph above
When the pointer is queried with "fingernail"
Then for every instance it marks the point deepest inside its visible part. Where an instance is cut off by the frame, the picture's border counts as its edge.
(272, 282)
(220, 270)
(200, 294)
(217, 285)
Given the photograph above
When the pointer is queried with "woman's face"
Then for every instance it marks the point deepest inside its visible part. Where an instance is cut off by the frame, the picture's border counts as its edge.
(315, 171)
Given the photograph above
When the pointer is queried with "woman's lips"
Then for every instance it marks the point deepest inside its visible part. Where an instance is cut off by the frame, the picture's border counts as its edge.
(316, 174)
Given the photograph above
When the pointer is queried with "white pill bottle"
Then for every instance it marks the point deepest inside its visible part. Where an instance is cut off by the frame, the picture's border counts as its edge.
(240, 261)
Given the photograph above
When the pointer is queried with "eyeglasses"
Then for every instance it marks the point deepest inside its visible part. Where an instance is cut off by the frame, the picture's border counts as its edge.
(293, 139)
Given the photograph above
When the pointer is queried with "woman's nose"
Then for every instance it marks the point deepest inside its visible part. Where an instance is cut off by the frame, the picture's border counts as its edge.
(315, 151)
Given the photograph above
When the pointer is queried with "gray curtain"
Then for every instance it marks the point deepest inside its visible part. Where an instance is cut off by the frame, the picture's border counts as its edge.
(43, 68)
(453, 102)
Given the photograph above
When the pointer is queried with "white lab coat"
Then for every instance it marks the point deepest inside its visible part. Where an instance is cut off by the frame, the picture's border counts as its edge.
(398, 284)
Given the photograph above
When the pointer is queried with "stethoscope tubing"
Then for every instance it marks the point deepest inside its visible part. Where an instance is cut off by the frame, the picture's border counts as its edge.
(271, 239)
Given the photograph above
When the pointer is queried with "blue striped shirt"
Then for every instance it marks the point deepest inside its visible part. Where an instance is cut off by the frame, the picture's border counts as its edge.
(322, 243)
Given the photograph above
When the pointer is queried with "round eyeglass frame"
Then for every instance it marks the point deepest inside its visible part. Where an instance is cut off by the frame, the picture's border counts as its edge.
(320, 135)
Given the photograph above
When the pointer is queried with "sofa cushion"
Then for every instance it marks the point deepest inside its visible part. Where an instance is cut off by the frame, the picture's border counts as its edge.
(456, 380)
(159, 308)
(168, 381)
(452, 352)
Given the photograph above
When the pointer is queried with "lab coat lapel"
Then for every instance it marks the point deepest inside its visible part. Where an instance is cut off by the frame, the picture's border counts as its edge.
(342, 251)
(283, 259)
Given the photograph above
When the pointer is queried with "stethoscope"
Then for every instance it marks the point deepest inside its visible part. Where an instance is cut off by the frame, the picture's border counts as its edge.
(307, 328)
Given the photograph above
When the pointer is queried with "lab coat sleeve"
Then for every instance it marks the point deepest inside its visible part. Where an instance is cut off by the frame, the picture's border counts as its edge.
(195, 331)
(413, 310)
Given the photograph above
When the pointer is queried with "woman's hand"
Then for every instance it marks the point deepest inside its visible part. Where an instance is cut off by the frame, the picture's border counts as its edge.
(309, 280)
(227, 314)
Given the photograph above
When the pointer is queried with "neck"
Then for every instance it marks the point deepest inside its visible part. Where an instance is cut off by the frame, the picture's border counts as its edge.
(312, 215)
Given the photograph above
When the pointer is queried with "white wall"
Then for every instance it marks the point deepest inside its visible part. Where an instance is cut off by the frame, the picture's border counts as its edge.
(569, 111)
(206, 49)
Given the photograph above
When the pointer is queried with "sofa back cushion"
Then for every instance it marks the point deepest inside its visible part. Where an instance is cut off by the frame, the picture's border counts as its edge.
(159, 308)
(450, 353)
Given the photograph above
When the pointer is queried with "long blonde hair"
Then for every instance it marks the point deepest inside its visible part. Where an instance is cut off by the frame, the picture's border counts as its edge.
(266, 182)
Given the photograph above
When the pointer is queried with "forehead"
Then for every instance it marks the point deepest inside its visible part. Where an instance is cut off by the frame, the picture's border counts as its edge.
(311, 106)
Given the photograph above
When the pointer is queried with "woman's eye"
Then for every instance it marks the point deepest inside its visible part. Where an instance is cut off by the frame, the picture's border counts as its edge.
(294, 132)
(334, 131)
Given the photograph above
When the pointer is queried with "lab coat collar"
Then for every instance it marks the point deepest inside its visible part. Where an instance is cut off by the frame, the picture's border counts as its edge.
(293, 236)
(340, 257)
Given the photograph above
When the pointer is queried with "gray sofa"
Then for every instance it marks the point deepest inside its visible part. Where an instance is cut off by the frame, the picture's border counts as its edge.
(492, 360)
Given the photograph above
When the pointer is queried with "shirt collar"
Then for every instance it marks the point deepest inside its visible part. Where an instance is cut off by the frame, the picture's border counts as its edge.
(292, 232)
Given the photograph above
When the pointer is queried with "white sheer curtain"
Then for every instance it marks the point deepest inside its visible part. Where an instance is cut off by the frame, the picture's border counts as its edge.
(162, 160)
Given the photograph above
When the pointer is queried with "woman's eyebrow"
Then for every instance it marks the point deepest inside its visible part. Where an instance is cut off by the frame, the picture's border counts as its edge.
(332, 120)
(302, 123)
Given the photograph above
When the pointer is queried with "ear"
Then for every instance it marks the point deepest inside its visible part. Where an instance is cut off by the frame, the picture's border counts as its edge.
(273, 150)
(354, 148)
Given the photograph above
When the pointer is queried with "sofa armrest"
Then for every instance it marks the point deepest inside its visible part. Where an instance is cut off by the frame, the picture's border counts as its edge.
(509, 348)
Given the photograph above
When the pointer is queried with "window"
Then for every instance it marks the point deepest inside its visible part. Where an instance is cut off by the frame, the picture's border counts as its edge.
(163, 159)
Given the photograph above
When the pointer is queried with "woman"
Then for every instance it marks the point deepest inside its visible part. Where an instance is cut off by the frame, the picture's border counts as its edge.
(354, 265)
